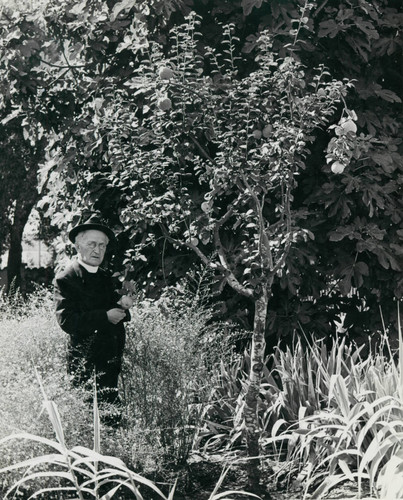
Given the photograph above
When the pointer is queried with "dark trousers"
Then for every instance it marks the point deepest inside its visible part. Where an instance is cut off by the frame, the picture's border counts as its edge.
(86, 371)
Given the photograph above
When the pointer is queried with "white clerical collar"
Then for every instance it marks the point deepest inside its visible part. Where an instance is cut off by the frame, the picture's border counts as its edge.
(90, 269)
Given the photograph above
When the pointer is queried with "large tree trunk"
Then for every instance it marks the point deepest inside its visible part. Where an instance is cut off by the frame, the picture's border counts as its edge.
(14, 260)
(24, 205)
(19, 162)
(252, 394)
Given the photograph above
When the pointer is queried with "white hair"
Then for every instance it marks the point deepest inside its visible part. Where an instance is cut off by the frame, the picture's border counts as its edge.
(81, 236)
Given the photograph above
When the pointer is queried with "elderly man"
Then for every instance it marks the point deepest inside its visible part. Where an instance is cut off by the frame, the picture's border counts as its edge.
(87, 309)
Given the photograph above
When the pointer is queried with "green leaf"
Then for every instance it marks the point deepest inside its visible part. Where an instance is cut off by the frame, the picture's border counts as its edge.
(328, 483)
(340, 233)
(248, 5)
(387, 95)
(367, 27)
(328, 28)
(123, 6)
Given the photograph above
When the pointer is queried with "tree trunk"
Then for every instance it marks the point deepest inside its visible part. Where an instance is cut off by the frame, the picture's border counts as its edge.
(252, 394)
(22, 211)
(14, 260)
(19, 162)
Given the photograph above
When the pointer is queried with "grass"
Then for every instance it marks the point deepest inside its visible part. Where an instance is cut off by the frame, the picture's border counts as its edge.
(83, 471)
(328, 414)
(338, 417)
(164, 385)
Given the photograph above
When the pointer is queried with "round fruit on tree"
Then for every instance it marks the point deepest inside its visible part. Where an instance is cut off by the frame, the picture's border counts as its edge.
(349, 126)
(267, 131)
(164, 103)
(165, 73)
(337, 167)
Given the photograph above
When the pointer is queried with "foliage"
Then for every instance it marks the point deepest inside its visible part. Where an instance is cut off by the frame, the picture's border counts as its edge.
(325, 411)
(327, 414)
(199, 175)
(83, 54)
(158, 427)
(212, 164)
(248, 155)
(221, 427)
(356, 244)
(82, 467)
(169, 341)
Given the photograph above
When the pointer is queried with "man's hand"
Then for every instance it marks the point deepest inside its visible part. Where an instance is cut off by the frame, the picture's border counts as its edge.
(115, 315)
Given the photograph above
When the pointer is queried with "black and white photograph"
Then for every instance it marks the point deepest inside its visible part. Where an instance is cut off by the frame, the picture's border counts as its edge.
(201, 249)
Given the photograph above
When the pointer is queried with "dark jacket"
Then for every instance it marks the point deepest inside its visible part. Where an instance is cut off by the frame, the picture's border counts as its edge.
(82, 300)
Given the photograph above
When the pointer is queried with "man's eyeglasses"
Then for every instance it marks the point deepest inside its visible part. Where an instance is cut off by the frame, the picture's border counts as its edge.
(93, 245)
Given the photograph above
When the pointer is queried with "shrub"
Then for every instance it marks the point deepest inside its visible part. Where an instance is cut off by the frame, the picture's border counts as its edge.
(172, 346)
(30, 338)
(170, 356)
(165, 380)
(327, 415)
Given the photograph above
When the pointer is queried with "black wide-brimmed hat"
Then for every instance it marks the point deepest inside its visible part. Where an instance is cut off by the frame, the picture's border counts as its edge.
(93, 222)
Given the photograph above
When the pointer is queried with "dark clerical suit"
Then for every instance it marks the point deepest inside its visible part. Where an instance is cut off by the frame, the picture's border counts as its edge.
(82, 300)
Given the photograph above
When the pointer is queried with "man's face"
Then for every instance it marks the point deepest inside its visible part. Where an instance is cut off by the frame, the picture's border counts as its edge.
(91, 246)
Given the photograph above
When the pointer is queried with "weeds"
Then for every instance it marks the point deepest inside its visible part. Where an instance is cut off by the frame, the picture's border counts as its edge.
(327, 414)
(81, 470)
(167, 372)
(164, 386)
(342, 417)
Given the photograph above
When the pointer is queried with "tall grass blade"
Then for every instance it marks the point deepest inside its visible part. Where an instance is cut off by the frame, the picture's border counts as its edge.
(376, 419)
(400, 354)
(33, 437)
(219, 483)
(114, 490)
(329, 483)
(172, 492)
(37, 475)
(32, 462)
(97, 426)
(126, 482)
(338, 390)
(97, 430)
(123, 474)
(94, 456)
(52, 412)
(390, 481)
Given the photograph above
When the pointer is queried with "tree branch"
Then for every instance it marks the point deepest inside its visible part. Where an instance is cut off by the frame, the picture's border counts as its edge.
(229, 275)
(200, 148)
(68, 66)
(264, 242)
(181, 243)
(320, 8)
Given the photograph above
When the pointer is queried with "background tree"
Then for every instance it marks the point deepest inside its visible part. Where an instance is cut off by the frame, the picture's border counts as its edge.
(354, 268)
(213, 162)
(19, 163)
(88, 52)
(32, 108)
